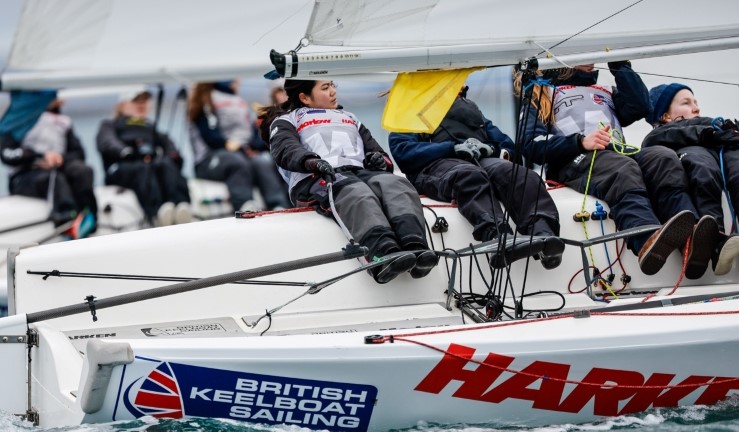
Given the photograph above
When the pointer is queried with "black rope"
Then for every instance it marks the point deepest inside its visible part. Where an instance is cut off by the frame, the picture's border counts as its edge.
(269, 322)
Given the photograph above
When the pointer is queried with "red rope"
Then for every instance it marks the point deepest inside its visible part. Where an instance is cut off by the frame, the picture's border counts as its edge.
(252, 215)
(404, 338)
(566, 381)
(569, 315)
(551, 184)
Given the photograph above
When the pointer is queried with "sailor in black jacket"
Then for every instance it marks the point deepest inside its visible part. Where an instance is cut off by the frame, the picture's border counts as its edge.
(568, 130)
(707, 148)
(311, 138)
(138, 157)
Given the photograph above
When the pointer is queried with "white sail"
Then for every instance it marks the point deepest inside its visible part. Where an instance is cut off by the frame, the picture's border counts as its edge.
(113, 42)
(426, 34)
(88, 42)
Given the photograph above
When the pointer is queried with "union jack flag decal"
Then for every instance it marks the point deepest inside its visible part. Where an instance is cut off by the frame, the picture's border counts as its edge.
(159, 395)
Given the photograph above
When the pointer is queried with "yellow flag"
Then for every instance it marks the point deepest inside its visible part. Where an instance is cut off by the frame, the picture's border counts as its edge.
(419, 101)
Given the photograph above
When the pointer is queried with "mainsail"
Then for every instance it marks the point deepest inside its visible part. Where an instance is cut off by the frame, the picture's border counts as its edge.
(428, 34)
(419, 35)
(88, 43)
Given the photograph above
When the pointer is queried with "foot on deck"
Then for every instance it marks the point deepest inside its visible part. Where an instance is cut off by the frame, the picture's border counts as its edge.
(702, 244)
(673, 235)
(727, 250)
(551, 256)
(394, 267)
(524, 247)
(425, 262)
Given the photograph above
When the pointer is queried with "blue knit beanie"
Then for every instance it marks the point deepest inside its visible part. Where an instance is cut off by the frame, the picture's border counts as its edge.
(660, 98)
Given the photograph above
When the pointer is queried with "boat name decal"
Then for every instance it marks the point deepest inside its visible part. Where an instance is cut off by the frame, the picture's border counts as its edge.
(183, 329)
(173, 390)
(616, 391)
(92, 336)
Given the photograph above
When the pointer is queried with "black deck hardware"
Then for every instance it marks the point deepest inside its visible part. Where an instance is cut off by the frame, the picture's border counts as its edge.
(91, 302)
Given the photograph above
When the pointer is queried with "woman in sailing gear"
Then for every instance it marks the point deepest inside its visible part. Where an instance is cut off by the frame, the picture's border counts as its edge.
(221, 134)
(50, 155)
(701, 144)
(565, 131)
(137, 157)
(312, 137)
(460, 161)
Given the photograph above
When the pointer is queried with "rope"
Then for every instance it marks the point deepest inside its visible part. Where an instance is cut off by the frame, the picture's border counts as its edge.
(555, 379)
(584, 198)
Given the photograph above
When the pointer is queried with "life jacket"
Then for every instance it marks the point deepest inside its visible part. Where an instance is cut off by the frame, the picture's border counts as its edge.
(464, 120)
(332, 134)
(583, 109)
(48, 134)
(233, 116)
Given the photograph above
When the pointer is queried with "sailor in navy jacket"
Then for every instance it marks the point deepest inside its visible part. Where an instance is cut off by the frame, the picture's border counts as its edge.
(443, 166)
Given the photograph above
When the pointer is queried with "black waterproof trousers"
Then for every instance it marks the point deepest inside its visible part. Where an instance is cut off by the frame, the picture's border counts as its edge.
(154, 183)
(382, 211)
(241, 174)
(73, 188)
(480, 188)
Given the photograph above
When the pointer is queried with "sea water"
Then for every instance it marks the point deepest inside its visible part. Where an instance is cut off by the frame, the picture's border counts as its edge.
(717, 418)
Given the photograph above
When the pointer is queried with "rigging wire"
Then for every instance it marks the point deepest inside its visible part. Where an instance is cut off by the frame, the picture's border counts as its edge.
(593, 25)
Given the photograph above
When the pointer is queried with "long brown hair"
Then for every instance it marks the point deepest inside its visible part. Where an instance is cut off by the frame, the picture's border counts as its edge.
(200, 99)
(293, 88)
(541, 96)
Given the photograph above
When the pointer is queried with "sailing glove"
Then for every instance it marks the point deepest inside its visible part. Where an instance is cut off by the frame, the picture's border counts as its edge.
(467, 151)
(322, 168)
(375, 161)
(485, 150)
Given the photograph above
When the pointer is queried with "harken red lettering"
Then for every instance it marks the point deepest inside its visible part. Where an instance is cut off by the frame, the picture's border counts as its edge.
(609, 389)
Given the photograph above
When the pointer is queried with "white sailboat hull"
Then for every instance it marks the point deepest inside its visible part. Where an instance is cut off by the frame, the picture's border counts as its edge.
(338, 382)
(213, 352)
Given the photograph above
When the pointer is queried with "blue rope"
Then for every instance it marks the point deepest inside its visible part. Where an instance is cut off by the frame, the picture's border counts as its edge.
(717, 123)
(540, 81)
(599, 210)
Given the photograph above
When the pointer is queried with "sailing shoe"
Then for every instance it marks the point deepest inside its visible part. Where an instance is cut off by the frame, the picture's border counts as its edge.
(523, 247)
(396, 265)
(82, 225)
(702, 244)
(551, 256)
(183, 213)
(425, 262)
(165, 214)
(727, 250)
(673, 235)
